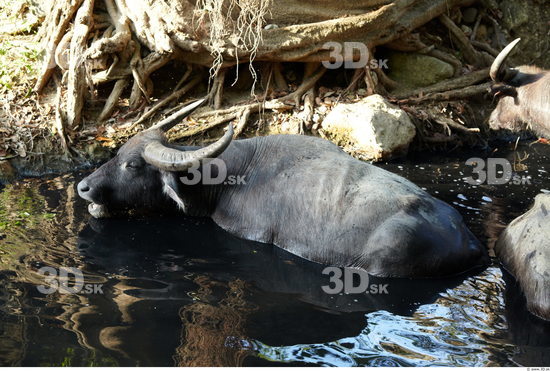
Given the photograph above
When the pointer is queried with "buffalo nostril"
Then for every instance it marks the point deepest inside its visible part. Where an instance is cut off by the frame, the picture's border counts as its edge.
(83, 187)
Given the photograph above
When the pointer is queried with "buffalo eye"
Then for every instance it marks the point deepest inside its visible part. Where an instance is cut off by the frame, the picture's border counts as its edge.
(134, 164)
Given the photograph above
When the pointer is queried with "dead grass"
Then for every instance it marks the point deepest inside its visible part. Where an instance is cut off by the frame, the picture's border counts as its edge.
(22, 118)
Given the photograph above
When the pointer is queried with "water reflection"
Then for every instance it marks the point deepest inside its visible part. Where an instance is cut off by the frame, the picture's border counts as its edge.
(462, 328)
(218, 280)
(180, 291)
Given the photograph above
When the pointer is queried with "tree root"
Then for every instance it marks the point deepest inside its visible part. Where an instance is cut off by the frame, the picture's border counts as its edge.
(176, 95)
(309, 109)
(470, 54)
(449, 58)
(141, 69)
(215, 96)
(113, 46)
(372, 86)
(241, 125)
(476, 26)
(372, 26)
(485, 47)
(455, 94)
(112, 101)
(77, 78)
(61, 54)
(388, 83)
(447, 122)
(139, 88)
(280, 104)
(500, 36)
(59, 121)
(309, 81)
(451, 128)
(357, 75)
(115, 43)
(64, 14)
(119, 69)
(451, 84)
(279, 79)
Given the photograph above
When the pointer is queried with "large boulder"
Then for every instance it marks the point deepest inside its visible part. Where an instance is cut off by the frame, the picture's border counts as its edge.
(413, 70)
(371, 129)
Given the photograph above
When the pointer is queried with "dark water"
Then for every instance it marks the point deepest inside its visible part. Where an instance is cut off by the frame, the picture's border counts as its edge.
(179, 291)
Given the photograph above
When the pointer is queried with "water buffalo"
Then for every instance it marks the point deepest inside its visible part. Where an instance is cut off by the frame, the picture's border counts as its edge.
(524, 96)
(524, 249)
(301, 193)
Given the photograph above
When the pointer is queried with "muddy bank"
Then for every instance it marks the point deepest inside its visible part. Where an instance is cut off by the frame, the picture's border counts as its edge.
(94, 154)
(52, 162)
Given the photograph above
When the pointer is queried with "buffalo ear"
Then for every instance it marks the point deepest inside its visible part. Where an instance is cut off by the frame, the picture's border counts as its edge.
(171, 188)
(501, 90)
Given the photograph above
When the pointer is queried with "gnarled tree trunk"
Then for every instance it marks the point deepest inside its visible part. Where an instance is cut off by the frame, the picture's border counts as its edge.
(92, 43)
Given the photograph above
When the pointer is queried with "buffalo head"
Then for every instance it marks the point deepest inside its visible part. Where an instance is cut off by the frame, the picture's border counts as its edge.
(144, 172)
(524, 96)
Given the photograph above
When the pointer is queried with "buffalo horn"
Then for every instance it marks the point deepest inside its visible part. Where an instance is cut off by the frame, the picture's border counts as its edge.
(171, 159)
(498, 64)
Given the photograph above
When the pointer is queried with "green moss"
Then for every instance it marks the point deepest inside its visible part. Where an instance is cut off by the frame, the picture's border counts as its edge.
(22, 211)
(22, 207)
(416, 70)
